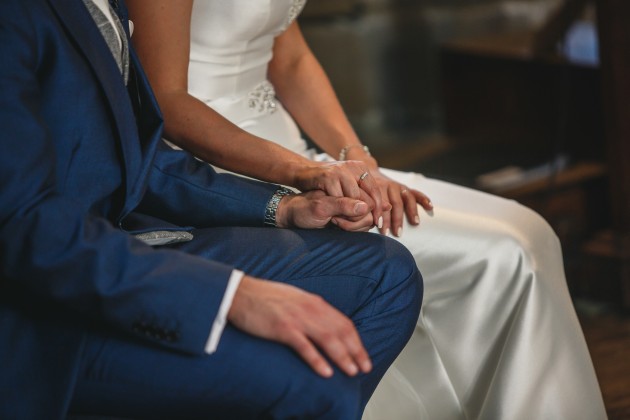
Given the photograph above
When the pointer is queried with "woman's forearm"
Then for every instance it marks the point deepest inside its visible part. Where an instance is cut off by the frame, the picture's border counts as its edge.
(305, 91)
(162, 39)
(193, 126)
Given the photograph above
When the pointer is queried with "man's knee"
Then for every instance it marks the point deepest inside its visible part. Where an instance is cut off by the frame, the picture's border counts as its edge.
(338, 397)
(396, 299)
(401, 276)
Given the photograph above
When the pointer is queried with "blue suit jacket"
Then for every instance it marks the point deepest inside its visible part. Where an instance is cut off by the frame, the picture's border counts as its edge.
(77, 169)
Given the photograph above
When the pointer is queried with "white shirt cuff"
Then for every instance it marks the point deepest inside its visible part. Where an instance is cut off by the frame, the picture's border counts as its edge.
(221, 319)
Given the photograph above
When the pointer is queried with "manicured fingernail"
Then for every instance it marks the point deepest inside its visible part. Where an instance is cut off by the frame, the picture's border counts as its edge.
(416, 220)
(430, 203)
(334, 221)
(366, 366)
(386, 231)
(399, 232)
(380, 222)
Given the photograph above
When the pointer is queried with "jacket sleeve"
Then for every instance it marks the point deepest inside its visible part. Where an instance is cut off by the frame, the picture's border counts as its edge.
(186, 191)
(52, 250)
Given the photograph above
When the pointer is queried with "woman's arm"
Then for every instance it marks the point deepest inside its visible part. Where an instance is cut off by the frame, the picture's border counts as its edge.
(162, 39)
(305, 91)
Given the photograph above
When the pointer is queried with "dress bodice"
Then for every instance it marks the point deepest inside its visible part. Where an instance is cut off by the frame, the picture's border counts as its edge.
(232, 42)
(231, 47)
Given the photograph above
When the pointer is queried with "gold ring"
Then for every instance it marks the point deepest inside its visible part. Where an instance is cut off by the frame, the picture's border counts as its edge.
(363, 176)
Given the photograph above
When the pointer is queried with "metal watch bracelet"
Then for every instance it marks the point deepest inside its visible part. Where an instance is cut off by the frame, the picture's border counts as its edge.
(272, 205)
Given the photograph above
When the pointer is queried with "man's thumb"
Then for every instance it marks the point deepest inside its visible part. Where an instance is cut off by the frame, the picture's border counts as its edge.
(360, 208)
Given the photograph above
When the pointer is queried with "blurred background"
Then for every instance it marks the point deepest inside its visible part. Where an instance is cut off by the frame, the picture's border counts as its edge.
(527, 99)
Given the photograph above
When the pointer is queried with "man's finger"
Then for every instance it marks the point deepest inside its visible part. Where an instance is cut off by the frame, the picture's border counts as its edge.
(338, 353)
(307, 351)
(355, 225)
(349, 207)
(354, 347)
(340, 341)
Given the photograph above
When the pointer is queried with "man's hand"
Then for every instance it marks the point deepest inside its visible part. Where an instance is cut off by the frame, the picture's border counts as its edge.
(303, 321)
(315, 209)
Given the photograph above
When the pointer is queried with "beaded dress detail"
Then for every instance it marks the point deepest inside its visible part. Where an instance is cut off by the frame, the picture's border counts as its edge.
(263, 98)
(294, 11)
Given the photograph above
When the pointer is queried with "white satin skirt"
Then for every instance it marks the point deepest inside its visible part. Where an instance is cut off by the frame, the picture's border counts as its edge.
(498, 337)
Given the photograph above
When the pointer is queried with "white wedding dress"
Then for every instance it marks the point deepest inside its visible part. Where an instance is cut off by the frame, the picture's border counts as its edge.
(498, 337)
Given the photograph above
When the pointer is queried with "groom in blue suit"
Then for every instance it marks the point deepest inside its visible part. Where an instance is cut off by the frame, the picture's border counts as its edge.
(132, 277)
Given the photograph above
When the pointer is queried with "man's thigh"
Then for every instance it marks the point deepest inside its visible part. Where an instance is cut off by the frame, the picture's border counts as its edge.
(246, 378)
(369, 277)
(345, 268)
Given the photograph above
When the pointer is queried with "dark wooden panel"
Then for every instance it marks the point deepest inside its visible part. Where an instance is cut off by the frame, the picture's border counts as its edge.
(497, 91)
(614, 34)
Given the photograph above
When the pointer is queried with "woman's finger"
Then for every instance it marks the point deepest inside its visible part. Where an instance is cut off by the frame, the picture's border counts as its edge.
(397, 212)
(411, 206)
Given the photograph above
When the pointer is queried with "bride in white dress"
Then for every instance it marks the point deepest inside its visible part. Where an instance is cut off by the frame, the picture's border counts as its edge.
(498, 337)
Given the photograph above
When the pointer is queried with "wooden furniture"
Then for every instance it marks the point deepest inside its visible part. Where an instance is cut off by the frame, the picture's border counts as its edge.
(513, 91)
(613, 246)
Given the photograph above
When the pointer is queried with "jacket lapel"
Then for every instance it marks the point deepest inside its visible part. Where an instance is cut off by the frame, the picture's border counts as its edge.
(77, 20)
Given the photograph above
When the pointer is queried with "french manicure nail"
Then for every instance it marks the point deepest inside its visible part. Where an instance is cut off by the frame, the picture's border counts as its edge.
(416, 220)
(399, 232)
(380, 222)
(386, 231)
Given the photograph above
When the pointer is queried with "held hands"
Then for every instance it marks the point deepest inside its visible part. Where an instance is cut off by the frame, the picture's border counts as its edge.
(343, 179)
(303, 321)
(392, 200)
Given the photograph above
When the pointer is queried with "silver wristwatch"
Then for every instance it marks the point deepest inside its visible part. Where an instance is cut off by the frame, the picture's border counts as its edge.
(272, 205)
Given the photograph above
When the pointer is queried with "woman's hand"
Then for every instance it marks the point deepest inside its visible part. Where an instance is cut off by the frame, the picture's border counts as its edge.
(404, 202)
(344, 179)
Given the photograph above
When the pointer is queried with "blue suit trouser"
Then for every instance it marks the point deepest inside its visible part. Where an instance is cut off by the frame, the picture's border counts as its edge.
(370, 278)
